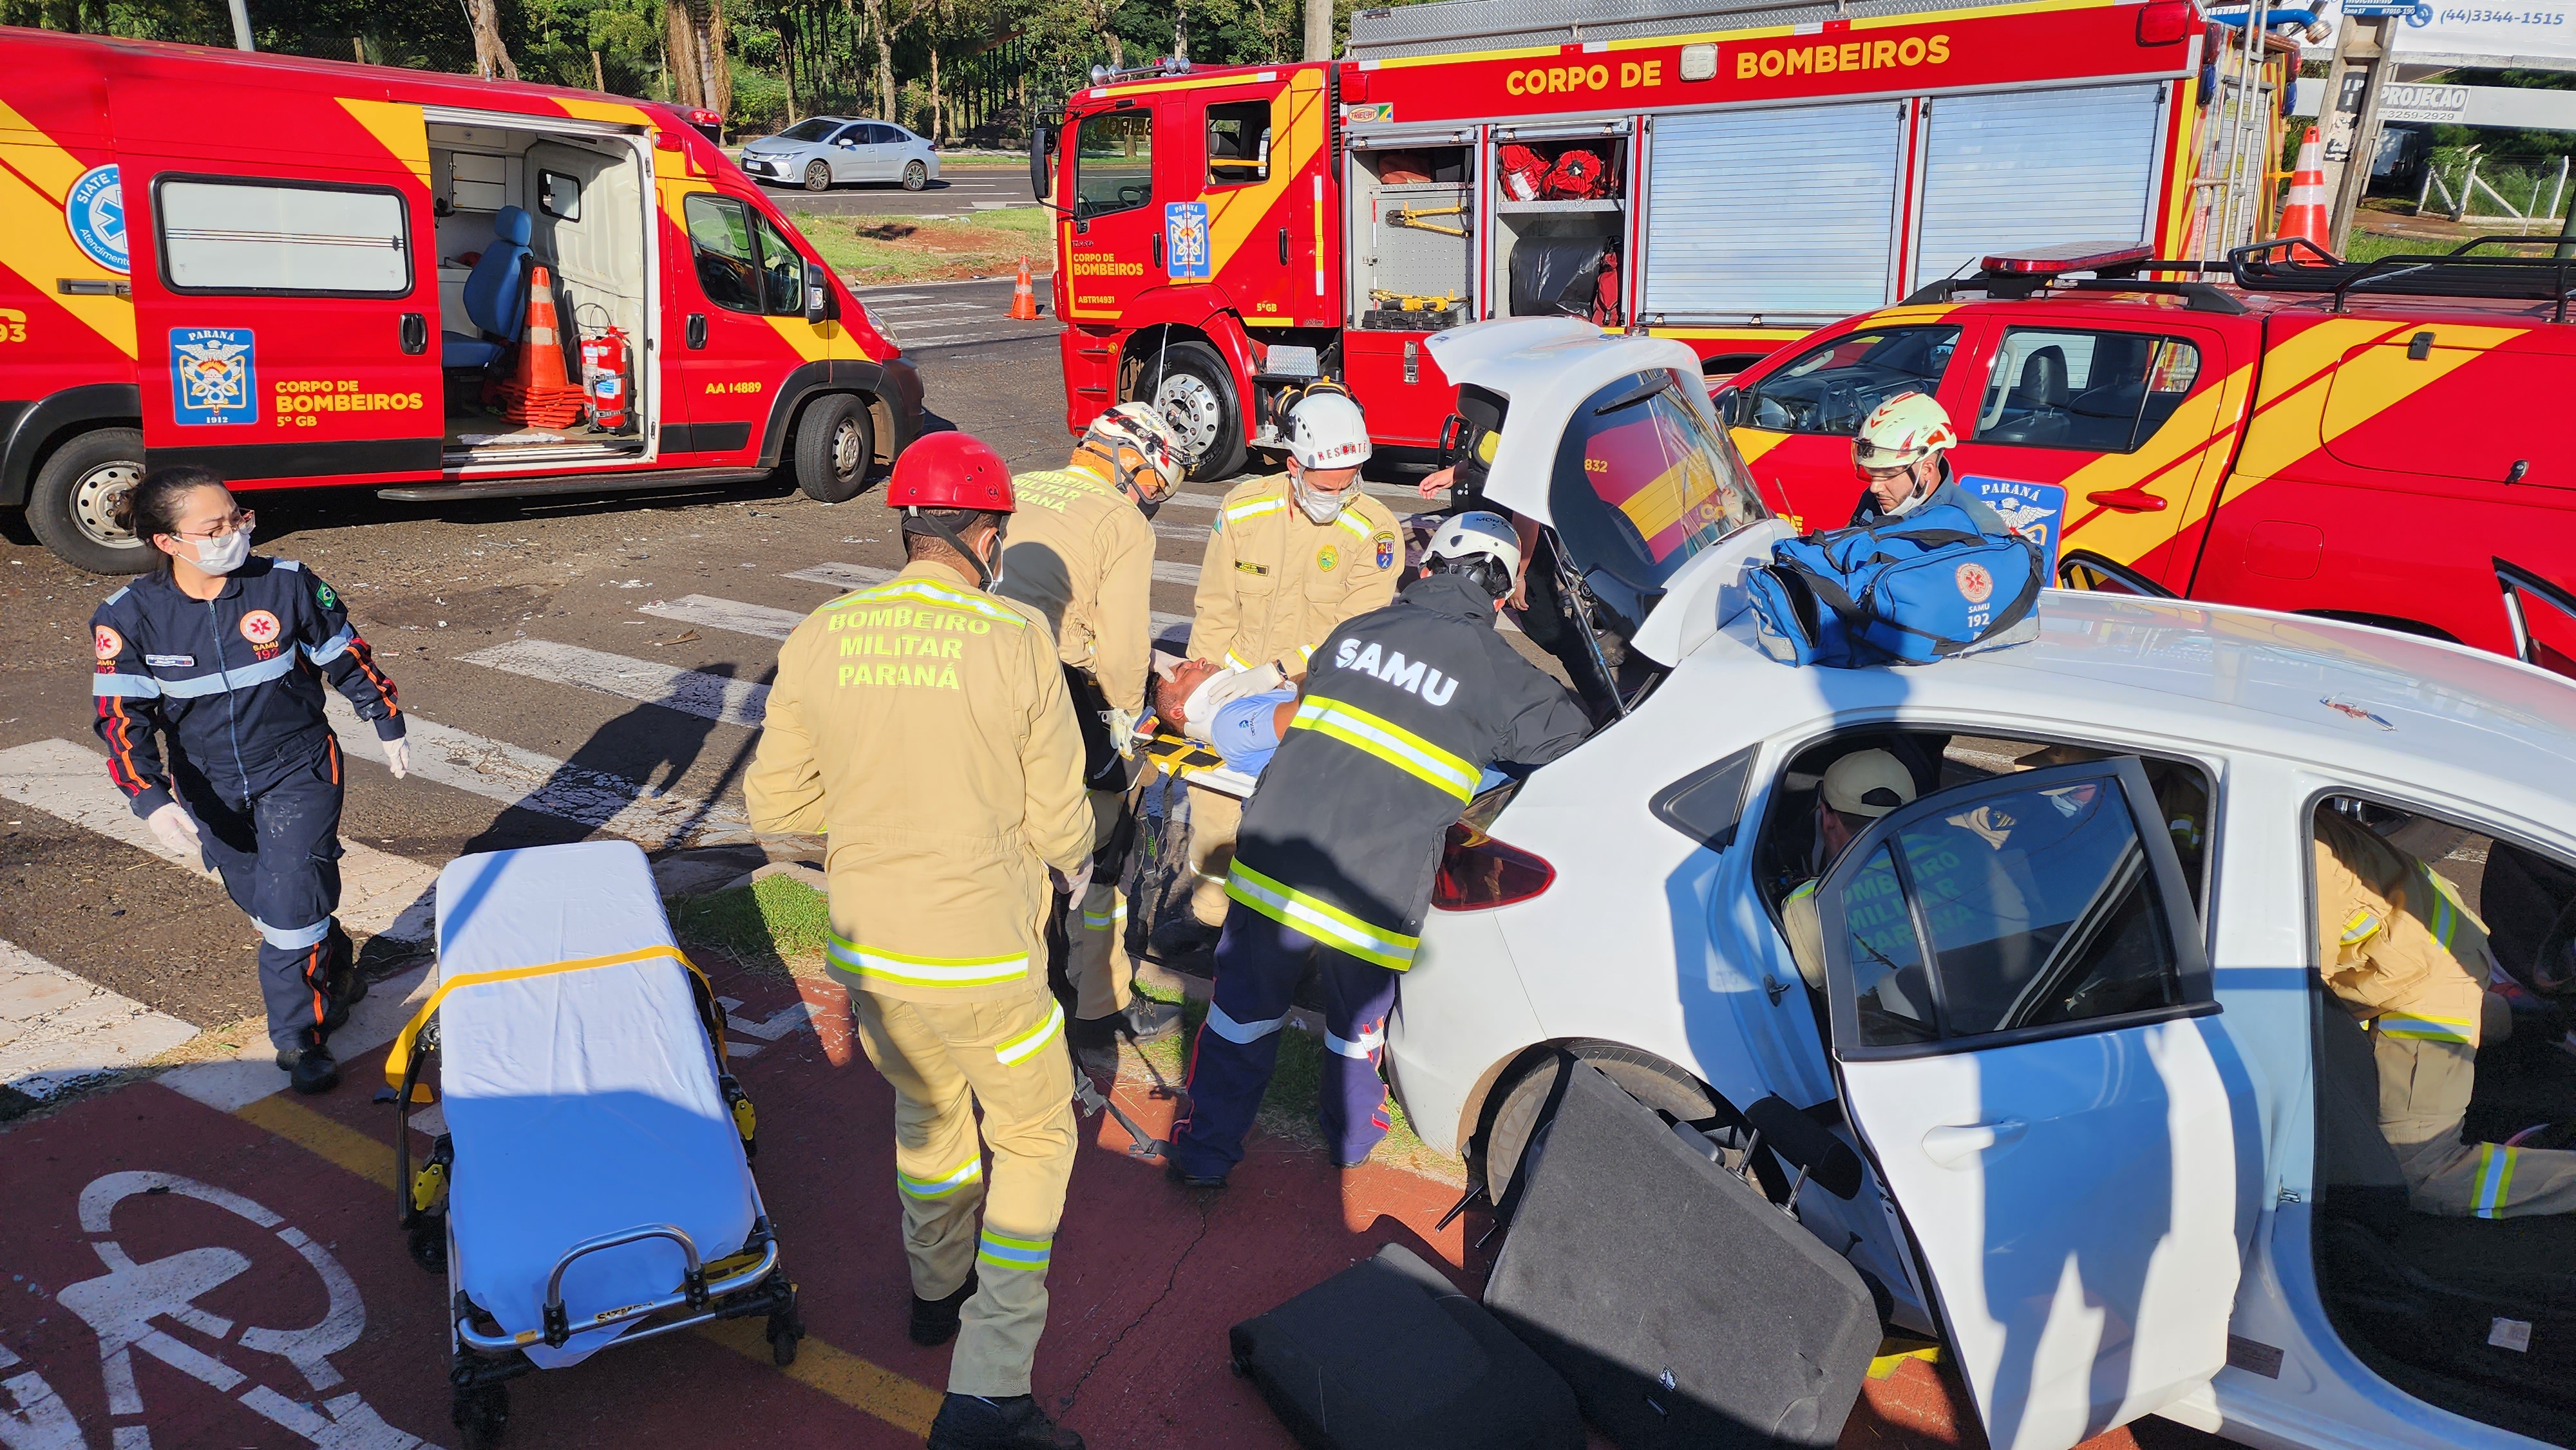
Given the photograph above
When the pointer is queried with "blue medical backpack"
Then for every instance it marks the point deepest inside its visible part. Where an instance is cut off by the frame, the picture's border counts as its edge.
(1906, 590)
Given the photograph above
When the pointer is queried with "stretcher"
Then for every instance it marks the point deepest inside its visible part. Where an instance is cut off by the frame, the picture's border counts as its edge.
(593, 1183)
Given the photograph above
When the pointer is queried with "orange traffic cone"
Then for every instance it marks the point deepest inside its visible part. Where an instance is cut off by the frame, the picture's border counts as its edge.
(1024, 296)
(539, 394)
(2305, 215)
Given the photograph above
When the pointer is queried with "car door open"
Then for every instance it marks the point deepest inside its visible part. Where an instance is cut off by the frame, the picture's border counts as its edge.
(2022, 1016)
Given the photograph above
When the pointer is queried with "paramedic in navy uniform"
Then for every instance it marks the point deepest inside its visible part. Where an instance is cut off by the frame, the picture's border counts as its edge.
(222, 656)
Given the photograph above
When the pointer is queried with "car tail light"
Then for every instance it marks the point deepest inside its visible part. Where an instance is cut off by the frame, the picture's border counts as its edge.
(2162, 22)
(1478, 872)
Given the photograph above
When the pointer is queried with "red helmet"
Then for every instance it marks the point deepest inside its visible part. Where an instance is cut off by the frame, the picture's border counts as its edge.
(951, 471)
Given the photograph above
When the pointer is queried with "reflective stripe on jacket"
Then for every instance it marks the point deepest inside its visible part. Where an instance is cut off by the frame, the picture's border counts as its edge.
(1275, 582)
(1081, 554)
(234, 683)
(2395, 944)
(923, 727)
(1404, 708)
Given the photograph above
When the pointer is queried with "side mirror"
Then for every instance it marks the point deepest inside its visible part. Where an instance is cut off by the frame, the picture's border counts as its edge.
(1038, 160)
(1729, 402)
(847, 144)
(818, 293)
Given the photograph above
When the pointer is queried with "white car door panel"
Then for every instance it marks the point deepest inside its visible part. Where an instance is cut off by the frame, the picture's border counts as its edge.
(2028, 1044)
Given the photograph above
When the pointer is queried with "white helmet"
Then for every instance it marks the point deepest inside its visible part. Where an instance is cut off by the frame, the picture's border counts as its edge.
(1901, 430)
(1326, 430)
(1480, 544)
(1142, 429)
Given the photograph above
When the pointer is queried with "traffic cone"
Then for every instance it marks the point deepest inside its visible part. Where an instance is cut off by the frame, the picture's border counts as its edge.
(539, 394)
(2305, 215)
(1024, 296)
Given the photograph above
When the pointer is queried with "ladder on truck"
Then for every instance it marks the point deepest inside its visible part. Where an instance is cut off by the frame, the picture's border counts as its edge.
(2233, 195)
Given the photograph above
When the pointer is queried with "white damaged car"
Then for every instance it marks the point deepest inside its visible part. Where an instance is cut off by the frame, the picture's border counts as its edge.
(2120, 1145)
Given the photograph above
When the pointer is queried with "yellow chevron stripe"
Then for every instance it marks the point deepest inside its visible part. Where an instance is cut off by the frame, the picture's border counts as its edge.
(36, 176)
(398, 127)
(1296, 134)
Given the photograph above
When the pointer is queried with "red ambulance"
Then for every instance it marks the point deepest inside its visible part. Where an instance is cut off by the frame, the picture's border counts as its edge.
(1735, 178)
(302, 272)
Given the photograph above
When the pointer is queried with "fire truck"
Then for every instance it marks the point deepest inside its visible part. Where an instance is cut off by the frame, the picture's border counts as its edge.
(1734, 176)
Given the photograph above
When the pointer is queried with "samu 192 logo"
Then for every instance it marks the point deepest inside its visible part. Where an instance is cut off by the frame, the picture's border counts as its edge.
(212, 379)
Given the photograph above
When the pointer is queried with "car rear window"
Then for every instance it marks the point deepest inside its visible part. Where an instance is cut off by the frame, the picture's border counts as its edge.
(1644, 480)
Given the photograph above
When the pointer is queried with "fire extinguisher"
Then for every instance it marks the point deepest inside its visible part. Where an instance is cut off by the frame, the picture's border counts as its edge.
(603, 377)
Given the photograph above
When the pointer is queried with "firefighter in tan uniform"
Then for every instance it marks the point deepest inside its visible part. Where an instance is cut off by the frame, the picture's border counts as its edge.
(923, 726)
(1289, 559)
(1082, 555)
(2396, 945)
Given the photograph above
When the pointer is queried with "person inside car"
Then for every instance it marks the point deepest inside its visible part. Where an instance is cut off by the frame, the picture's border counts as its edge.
(2402, 953)
(1858, 788)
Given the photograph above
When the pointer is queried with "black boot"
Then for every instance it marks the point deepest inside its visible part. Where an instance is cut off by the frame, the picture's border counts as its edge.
(343, 987)
(310, 1069)
(971, 1422)
(934, 1321)
(1143, 1020)
(1184, 942)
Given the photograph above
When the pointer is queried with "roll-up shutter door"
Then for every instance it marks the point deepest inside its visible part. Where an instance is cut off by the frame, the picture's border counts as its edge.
(2034, 169)
(1782, 214)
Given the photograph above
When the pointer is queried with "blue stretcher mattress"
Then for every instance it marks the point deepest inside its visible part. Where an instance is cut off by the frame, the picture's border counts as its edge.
(580, 1103)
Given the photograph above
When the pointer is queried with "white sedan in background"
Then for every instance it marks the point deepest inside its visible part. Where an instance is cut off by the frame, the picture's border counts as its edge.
(2121, 1154)
(821, 152)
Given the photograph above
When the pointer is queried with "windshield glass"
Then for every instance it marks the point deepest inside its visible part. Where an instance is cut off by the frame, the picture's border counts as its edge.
(814, 130)
(1643, 481)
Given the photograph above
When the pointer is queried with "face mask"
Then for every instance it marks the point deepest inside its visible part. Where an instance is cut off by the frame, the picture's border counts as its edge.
(224, 555)
(995, 565)
(1318, 505)
(1222, 689)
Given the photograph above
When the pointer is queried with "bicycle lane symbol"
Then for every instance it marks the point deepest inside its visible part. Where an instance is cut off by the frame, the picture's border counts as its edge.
(128, 1305)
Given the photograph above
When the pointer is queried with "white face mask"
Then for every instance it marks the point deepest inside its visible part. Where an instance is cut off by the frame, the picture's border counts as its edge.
(1318, 505)
(1221, 689)
(224, 555)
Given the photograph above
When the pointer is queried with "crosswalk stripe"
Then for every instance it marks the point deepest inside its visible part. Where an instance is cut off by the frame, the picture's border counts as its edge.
(1197, 532)
(380, 892)
(843, 576)
(727, 614)
(58, 1030)
(527, 780)
(929, 307)
(691, 692)
(1172, 573)
(913, 344)
(872, 298)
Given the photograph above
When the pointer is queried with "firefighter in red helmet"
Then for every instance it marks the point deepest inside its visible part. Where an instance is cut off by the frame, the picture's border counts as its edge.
(923, 726)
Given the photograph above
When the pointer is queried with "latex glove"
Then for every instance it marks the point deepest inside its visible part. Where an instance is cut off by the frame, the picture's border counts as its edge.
(1122, 730)
(1072, 883)
(177, 830)
(398, 755)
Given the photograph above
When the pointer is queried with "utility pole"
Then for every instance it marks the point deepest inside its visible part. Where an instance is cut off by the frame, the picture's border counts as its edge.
(1319, 29)
(241, 26)
(2355, 81)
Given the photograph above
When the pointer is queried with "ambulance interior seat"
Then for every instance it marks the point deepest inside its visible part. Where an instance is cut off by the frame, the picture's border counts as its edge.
(2418, 1295)
(496, 296)
(2035, 411)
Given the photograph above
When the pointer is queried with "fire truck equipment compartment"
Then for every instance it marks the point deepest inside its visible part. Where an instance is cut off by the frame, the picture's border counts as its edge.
(1683, 1307)
(1556, 275)
(1388, 1355)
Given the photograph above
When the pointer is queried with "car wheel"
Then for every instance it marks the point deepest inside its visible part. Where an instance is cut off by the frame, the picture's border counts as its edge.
(915, 177)
(1195, 390)
(835, 443)
(72, 503)
(1641, 1075)
(818, 176)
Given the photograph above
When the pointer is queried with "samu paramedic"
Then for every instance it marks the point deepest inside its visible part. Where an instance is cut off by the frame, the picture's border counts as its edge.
(222, 657)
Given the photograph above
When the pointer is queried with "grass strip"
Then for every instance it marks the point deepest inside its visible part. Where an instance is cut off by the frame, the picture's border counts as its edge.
(882, 250)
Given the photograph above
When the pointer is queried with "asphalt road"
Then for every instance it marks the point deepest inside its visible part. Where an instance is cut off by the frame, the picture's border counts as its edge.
(935, 316)
(960, 191)
(598, 665)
